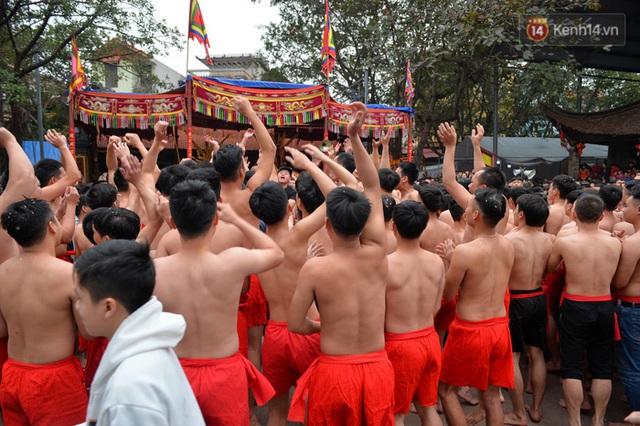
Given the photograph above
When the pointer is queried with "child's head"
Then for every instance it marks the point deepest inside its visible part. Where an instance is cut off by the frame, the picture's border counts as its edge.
(114, 275)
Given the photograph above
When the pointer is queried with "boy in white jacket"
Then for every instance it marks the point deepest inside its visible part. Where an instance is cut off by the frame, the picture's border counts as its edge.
(139, 381)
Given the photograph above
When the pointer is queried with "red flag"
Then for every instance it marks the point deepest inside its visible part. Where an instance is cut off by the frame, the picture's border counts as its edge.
(197, 30)
(328, 46)
(78, 76)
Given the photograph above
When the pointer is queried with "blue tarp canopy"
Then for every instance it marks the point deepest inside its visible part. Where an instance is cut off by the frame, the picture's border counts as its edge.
(32, 149)
(255, 84)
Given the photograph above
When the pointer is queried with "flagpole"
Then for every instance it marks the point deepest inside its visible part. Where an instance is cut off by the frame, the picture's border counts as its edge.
(188, 29)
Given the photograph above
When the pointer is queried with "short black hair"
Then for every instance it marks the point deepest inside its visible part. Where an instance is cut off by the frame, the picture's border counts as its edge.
(516, 192)
(119, 269)
(588, 208)
(309, 192)
(228, 162)
(410, 218)
(432, 197)
(574, 195)
(120, 182)
(611, 196)
(347, 161)
(535, 209)
(26, 221)
(493, 177)
(47, 168)
(170, 176)
(456, 211)
(634, 191)
(82, 200)
(409, 170)
(117, 224)
(193, 205)
(101, 195)
(87, 222)
(491, 204)
(348, 211)
(269, 202)
(389, 179)
(564, 184)
(388, 204)
(206, 174)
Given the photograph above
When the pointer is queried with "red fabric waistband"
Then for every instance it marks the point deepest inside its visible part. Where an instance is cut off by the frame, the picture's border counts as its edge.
(410, 335)
(380, 355)
(484, 323)
(202, 362)
(27, 366)
(279, 324)
(580, 298)
(629, 299)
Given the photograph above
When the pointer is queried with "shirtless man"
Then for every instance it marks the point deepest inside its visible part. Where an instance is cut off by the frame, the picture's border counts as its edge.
(309, 198)
(388, 205)
(42, 381)
(481, 282)
(528, 305)
(414, 289)
(611, 195)
(348, 286)
(586, 315)
(286, 355)
(560, 187)
(627, 283)
(408, 173)
(437, 231)
(484, 177)
(205, 289)
(389, 181)
(21, 183)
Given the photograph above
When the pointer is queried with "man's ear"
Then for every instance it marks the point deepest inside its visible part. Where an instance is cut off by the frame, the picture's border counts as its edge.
(111, 307)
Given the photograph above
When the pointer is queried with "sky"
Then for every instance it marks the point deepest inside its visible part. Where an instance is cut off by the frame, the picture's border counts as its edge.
(232, 27)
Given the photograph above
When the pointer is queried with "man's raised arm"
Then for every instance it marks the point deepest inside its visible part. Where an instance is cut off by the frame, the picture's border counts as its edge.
(374, 230)
(268, 148)
(73, 175)
(448, 135)
(344, 175)
(385, 163)
(476, 140)
(22, 182)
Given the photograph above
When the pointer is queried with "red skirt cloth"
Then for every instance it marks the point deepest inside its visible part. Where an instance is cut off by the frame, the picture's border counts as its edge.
(95, 351)
(221, 388)
(346, 390)
(257, 309)
(286, 355)
(416, 364)
(478, 354)
(4, 355)
(48, 394)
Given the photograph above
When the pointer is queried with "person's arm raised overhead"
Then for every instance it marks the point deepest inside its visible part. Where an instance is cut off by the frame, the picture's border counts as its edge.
(151, 160)
(346, 177)
(268, 148)
(22, 182)
(476, 140)
(385, 163)
(447, 134)
(73, 175)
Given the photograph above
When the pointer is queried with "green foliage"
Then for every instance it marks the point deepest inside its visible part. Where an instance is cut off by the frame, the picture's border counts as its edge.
(37, 35)
(453, 47)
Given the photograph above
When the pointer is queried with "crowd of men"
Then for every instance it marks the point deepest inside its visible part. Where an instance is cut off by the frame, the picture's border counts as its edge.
(383, 292)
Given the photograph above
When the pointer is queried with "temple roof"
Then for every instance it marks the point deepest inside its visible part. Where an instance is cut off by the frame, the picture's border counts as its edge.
(617, 125)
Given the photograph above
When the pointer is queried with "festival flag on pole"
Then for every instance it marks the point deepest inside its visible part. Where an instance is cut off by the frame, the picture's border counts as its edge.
(197, 30)
(408, 88)
(78, 76)
(328, 46)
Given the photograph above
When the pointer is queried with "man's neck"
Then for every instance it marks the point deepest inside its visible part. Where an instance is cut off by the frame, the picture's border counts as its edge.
(197, 244)
(407, 245)
(587, 227)
(484, 231)
(45, 248)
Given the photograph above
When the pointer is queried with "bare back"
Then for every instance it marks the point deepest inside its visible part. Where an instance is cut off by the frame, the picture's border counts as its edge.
(483, 266)
(414, 289)
(205, 289)
(532, 249)
(226, 236)
(349, 287)
(36, 300)
(436, 232)
(590, 259)
(631, 259)
(557, 218)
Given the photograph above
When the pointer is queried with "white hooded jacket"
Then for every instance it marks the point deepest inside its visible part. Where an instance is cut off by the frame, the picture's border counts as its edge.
(140, 380)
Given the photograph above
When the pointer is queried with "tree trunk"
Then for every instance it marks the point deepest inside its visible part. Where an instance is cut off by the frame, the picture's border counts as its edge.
(574, 163)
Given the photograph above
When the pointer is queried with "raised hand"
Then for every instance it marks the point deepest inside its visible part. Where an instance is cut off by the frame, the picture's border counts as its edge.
(297, 159)
(242, 105)
(56, 139)
(347, 146)
(315, 249)
(357, 119)
(447, 133)
(132, 139)
(112, 160)
(445, 249)
(121, 150)
(227, 214)
(386, 137)
(131, 168)
(160, 130)
(477, 134)
(315, 152)
(71, 195)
